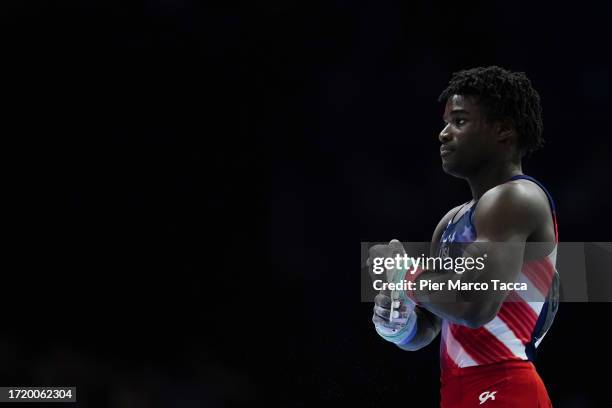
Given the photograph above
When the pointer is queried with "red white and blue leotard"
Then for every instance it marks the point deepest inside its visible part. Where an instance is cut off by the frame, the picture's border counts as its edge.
(523, 320)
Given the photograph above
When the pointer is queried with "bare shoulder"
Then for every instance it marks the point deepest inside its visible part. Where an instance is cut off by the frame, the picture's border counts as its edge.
(517, 207)
(447, 217)
(442, 225)
(517, 196)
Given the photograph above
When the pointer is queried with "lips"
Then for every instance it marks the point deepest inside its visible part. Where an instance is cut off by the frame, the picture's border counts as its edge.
(445, 150)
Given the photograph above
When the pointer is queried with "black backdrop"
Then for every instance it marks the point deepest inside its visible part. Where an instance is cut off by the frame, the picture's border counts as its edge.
(192, 182)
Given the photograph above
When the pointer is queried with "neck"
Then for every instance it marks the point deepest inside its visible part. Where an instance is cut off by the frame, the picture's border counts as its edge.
(492, 175)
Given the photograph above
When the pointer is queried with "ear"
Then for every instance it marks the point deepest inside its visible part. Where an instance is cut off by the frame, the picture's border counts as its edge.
(505, 131)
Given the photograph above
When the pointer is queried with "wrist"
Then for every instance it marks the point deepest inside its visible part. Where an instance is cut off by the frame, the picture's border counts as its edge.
(402, 335)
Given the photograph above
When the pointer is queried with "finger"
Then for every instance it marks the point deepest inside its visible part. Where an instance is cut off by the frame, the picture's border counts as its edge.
(386, 312)
(370, 262)
(379, 251)
(385, 301)
(380, 321)
(396, 247)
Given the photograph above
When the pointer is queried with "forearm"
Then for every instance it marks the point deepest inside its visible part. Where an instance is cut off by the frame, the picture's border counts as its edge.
(443, 292)
(446, 304)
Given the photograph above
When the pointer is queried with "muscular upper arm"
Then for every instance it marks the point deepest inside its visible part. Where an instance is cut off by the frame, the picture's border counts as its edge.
(509, 212)
(504, 218)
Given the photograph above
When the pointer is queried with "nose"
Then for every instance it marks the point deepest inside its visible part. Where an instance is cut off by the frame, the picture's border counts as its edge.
(444, 136)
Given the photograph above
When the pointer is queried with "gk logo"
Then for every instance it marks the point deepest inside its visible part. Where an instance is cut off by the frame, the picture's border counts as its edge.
(486, 396)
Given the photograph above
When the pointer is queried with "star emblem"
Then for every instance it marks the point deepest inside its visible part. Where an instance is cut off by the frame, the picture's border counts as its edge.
(467, 234)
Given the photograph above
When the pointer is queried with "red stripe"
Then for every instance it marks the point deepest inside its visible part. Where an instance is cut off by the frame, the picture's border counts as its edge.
(520, 318)
(496, 344)
(481, 344)
(514, 324)
(531, 272)
(548, 270)
(523, 309)
(478, 355)
(540, 273)
(485, 339)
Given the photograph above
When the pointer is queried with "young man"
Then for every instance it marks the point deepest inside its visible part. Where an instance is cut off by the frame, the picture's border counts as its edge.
(488, 339)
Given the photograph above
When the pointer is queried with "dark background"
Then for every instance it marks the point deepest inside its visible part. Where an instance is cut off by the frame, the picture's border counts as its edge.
(192, 182)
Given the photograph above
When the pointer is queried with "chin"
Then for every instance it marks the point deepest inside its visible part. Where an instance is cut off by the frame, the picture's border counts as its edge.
(452, 169)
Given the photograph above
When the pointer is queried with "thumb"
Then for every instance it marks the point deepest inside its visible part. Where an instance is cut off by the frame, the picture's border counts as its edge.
(397, 247)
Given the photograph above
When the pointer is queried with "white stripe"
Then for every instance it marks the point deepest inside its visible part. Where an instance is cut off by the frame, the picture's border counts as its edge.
(504, 334)
(454, 349)
(536, 307)
(532, 296)
(537, 343)
(553, 259)
(553, 256)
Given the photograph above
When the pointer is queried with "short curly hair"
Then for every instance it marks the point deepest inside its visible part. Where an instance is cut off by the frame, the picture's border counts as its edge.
(504, 95)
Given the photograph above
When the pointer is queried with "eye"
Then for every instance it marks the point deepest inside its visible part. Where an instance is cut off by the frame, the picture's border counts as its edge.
(460, 121)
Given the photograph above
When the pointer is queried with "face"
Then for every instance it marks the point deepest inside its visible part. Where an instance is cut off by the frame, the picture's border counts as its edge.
(467, 138)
